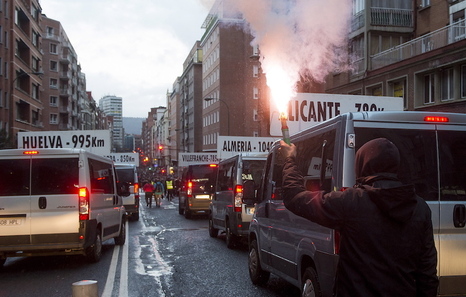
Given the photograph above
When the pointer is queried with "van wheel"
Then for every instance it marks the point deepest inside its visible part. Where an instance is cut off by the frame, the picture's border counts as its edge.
(135, 216)
(256, 274)
(230, 237)
(310, 286)
(94, 252)
(180, 210)
(213, 232)
(121, 238)
(187, 212)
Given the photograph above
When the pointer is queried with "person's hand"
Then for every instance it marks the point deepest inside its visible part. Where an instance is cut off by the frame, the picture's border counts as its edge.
(287, 149)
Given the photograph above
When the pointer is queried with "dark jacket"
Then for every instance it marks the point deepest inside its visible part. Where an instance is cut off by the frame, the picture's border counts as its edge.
(387, 246)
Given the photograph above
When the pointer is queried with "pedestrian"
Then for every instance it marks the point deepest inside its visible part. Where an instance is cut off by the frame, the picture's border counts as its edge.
(159, 189)
(169, 189)
(148, 189)
(386, 237)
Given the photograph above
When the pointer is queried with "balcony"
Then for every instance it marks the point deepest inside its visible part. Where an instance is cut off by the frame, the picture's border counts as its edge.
(395, 17)
(437, 39)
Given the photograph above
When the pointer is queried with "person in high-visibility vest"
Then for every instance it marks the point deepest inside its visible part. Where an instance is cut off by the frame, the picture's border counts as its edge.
(169, 187)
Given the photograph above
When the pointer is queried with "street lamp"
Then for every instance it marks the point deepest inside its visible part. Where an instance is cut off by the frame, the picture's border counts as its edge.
(228, 110)
(12, 101)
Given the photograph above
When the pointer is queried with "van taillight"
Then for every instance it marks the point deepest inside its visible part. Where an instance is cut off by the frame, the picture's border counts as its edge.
(213, 165)
(30, 153)
(238, 198)
(336, 242)
(136, 190)
(189, 190)
(83, 204)
(436, 119)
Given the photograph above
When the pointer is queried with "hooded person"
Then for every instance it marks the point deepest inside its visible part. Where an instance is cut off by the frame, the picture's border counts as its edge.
(387, 246)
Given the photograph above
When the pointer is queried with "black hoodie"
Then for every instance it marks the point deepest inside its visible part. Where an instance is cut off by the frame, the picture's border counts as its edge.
(387, 246)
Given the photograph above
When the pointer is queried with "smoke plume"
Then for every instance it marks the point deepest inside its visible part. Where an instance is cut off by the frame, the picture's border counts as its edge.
(296, 38)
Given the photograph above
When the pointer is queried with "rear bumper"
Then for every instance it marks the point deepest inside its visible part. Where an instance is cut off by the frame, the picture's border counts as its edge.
(49, 244)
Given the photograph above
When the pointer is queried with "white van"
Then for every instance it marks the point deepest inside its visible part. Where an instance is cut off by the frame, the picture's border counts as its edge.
(433, 158)
(127, 173)
(231, 208)
(58, 202)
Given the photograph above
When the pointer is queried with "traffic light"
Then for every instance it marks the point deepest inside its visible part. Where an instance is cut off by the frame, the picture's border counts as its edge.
(160, 148)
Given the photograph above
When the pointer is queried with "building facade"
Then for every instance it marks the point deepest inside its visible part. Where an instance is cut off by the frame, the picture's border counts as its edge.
(410, 49)
(113, 106)
(233, 88)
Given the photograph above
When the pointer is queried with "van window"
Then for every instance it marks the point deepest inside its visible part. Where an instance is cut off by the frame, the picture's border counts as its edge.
(14, 177)
(126, 175)
(309, 160)
(101, 177)
(203, 177)
(226, 176)
(418, 152)
(54, 176)
(252, 170)
(452, 147)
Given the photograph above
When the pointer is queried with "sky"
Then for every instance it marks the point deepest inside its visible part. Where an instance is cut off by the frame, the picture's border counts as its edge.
(131, 49)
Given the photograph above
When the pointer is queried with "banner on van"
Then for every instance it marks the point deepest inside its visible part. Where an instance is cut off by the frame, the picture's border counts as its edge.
(94, 141)
(124, 158)
(186, 159)
(308, 109)
(229, 146)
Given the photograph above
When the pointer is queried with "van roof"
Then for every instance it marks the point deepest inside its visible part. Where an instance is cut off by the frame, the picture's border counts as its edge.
(51, 152)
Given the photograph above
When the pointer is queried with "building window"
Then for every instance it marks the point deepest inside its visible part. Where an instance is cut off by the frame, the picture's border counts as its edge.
(53, 48)
(425, 3)
(53, 83)
(447, 84)
(35, 91)
(255, 71)
(1, 98)
(53, 65)
(463, 81)
(397, 89)
(429, 88)
(53, 118)
(53, 101)
(255, 93)
(255, 115)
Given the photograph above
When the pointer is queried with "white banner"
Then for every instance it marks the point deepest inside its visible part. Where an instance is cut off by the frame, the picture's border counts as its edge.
(94, 141)
(307, 109)
(124, 158)
(229, 146)
(186, 159)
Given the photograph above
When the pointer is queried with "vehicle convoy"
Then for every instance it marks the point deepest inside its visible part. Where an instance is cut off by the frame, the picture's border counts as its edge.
(127, 173)
(231, 208)
(197, 188)
(59, 202)
(433, 158)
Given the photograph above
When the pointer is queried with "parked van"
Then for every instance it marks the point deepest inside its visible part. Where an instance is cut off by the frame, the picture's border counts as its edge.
(197, 188)
(58, 202)
(128, 174)
(433, 159)
(231, 208)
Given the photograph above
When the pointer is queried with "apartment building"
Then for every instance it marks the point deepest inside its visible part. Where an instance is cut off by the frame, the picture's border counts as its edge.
(233, 95)
(20, 69)
(410, 49)
(113, 106)
(63, 80)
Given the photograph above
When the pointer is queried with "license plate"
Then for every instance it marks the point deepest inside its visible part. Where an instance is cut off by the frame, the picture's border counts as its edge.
(11, 222)
(250, 210)
(202, 196)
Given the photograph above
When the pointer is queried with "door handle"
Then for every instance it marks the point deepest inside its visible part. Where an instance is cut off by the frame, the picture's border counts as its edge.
(459, 215)
(42, 202)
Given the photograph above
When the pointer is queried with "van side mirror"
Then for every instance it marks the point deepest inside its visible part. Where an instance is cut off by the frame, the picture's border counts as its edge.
(249, 192)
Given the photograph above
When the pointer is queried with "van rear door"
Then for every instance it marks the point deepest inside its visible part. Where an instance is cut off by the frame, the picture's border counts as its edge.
(15, 225)
(452, 241)
(54, 199)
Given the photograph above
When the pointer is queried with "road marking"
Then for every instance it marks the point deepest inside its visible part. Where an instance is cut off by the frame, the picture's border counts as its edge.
(112, 271)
